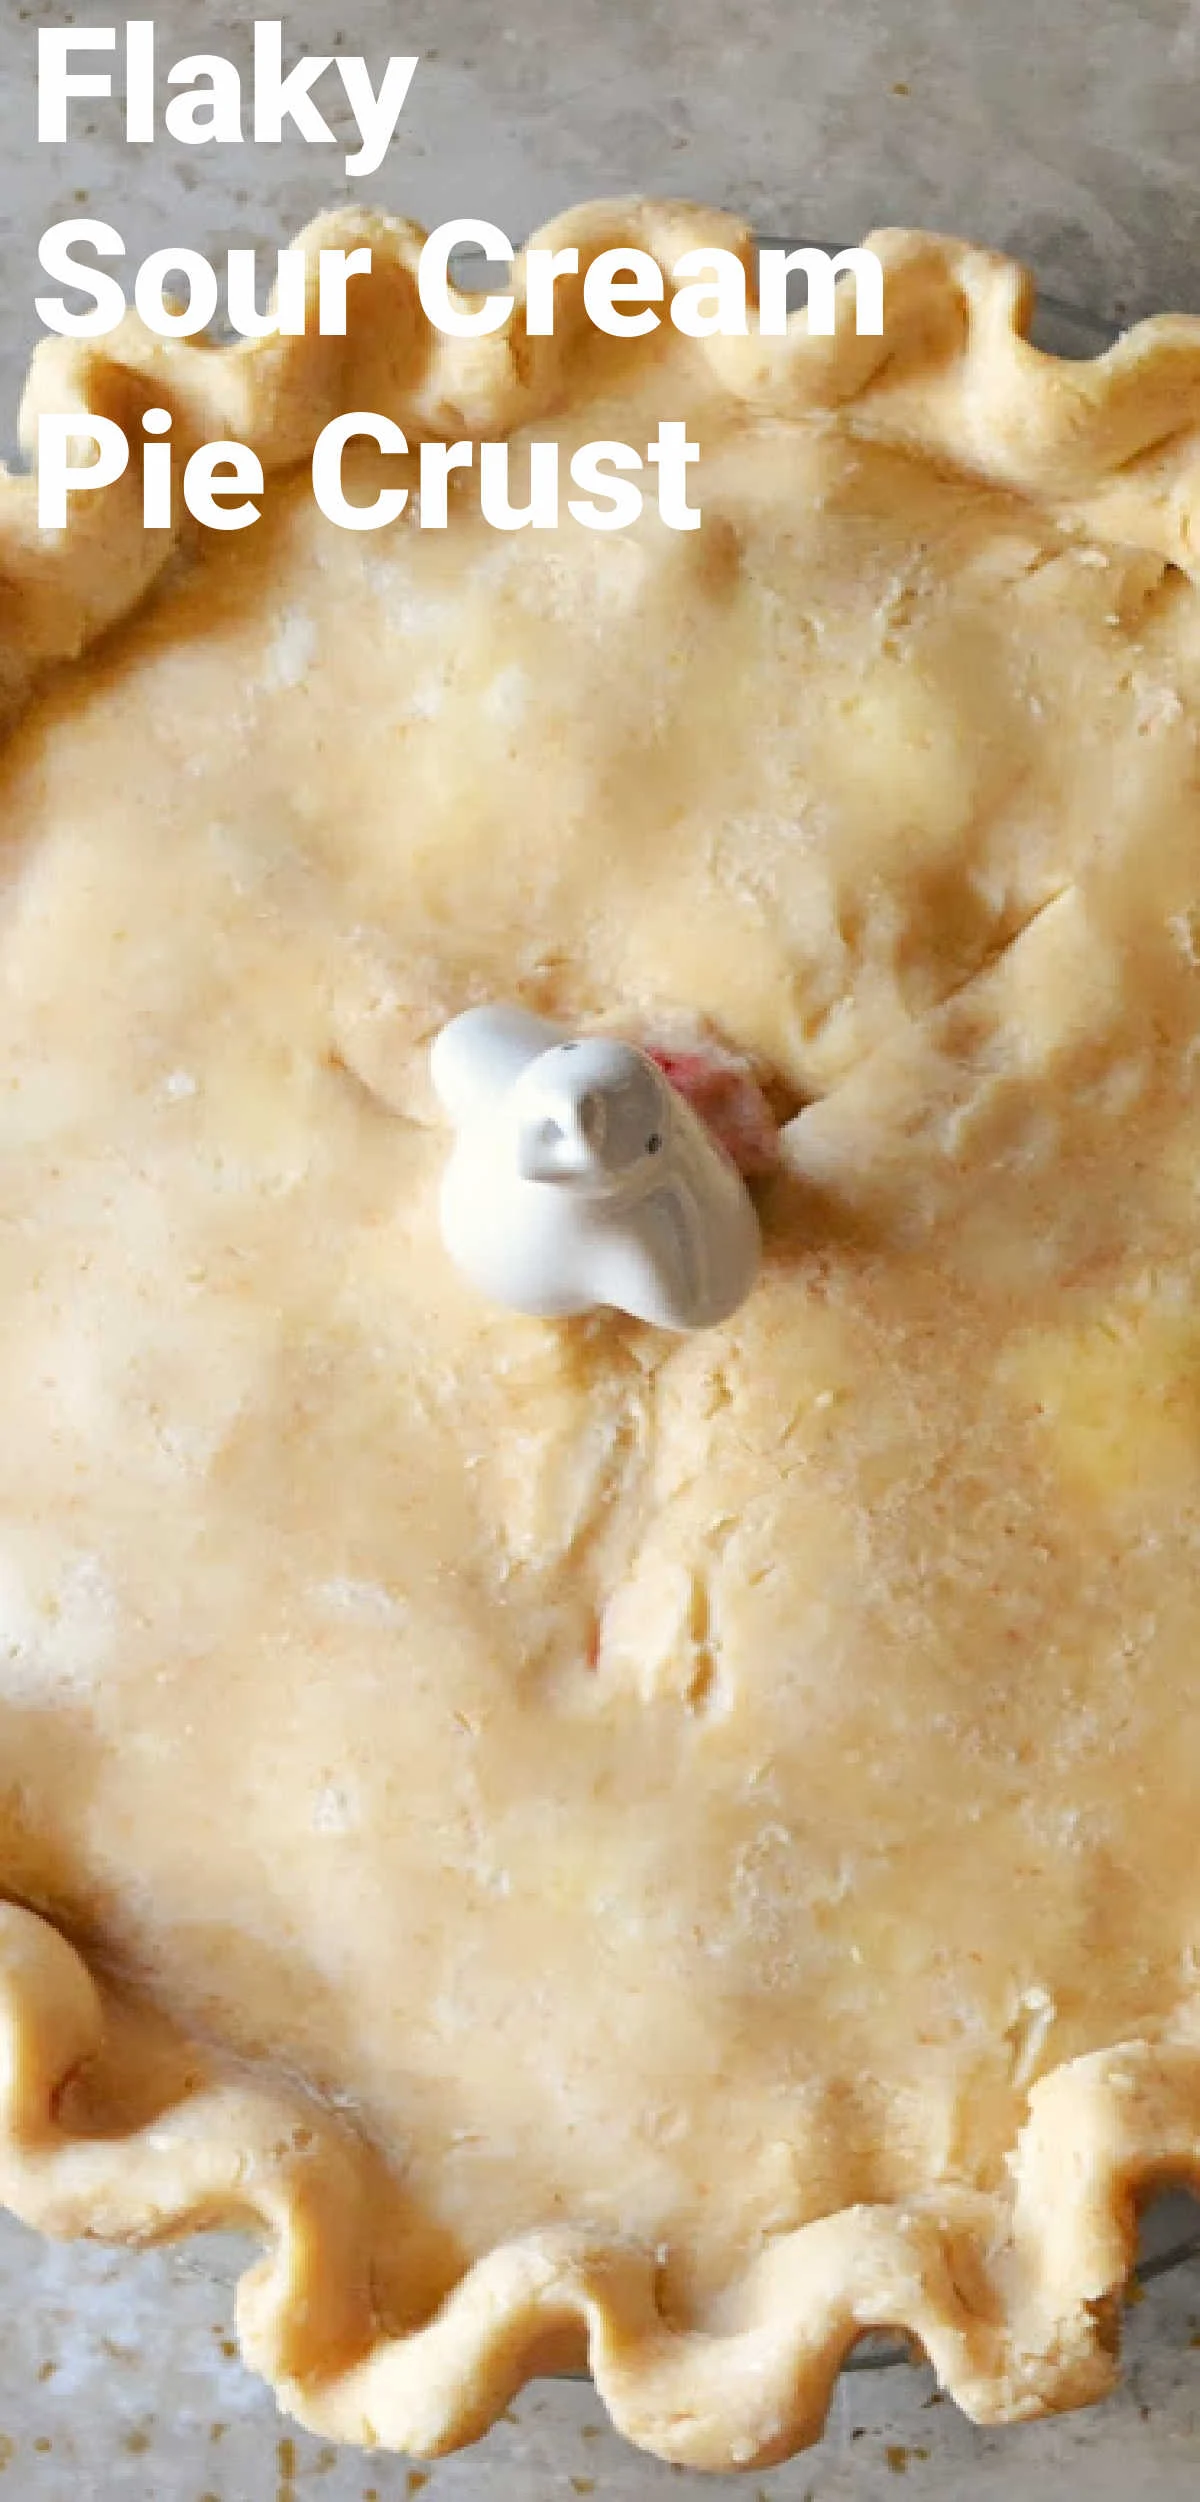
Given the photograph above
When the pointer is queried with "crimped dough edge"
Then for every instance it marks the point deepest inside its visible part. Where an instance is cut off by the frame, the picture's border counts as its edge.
(1012, 2302)
(1011, 2297)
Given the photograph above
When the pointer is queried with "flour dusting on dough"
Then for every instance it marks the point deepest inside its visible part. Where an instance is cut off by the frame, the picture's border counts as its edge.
(57, 1634)
(292, 653)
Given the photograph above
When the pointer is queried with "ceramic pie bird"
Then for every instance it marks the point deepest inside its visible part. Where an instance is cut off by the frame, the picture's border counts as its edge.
(580, 1177)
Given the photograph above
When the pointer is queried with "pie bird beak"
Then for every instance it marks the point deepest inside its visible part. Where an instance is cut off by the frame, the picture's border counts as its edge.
(559, 1149)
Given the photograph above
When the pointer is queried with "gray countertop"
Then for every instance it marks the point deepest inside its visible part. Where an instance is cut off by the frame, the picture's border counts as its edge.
(1066, 134)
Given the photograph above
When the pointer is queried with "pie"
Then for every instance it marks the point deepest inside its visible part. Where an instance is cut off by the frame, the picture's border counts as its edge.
(662, 1852)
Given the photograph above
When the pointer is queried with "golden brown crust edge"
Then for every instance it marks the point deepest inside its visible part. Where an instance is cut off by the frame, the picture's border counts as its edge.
(1009, 2298)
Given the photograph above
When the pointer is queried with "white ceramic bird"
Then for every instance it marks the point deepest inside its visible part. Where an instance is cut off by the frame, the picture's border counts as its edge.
(580, 1177)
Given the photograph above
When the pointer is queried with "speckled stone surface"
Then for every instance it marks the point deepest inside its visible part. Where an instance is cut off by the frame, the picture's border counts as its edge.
(1066, 135)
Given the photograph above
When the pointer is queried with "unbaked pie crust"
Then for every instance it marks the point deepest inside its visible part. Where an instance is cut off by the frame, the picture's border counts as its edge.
(667, 1852)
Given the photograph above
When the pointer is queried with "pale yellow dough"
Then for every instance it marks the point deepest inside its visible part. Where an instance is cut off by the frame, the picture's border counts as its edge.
(671, 1850)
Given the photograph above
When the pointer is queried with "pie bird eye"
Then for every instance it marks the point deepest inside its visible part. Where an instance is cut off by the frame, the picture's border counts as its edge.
(654, 1142)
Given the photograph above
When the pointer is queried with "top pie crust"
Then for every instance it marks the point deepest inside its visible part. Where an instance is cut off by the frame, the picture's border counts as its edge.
(669, 1851)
